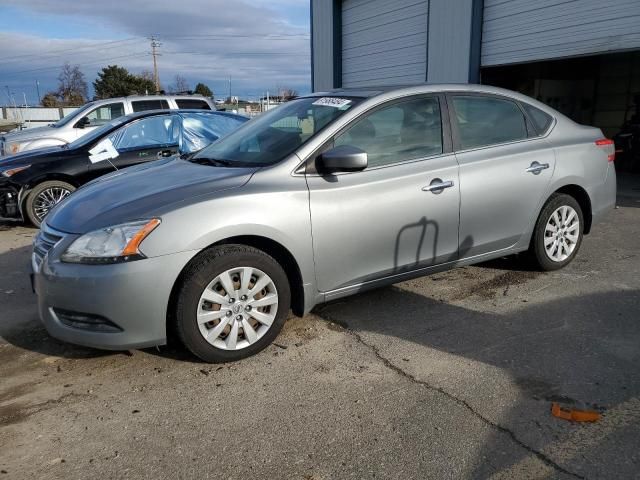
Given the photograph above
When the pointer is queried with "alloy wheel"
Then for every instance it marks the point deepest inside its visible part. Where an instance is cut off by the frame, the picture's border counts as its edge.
(47, 199)
(562, 233)
(237, 308)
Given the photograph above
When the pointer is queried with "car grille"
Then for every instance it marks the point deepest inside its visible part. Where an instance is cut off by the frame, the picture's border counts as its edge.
(45, 240)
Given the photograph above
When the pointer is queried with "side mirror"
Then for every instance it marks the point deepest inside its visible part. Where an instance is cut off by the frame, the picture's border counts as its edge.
(83, 122)
(343, 158)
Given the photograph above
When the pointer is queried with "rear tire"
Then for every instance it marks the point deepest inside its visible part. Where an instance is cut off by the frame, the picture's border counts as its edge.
(232, 303)
(558, 233)
(44, 197)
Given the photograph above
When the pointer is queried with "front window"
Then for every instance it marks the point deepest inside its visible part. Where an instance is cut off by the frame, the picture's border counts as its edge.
(156, 131)
(105, 114)
(403, 131)
(97, 133)
(75, 115)
(275, 134)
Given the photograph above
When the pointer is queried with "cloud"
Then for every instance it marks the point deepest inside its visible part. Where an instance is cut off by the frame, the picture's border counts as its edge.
(202, 40)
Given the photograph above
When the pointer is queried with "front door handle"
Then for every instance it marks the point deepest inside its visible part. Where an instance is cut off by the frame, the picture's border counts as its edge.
(165, 153)
(437, 186)
(536, 167)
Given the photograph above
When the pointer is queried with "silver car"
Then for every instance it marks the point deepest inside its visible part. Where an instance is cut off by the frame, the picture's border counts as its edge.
(91, 116)
(323, 197)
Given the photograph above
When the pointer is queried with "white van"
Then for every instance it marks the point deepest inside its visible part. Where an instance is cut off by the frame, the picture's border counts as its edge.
(92, 115)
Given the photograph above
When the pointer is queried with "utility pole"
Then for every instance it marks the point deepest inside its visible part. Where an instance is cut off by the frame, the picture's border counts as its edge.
(38, 90)
(230, 89)
(154, 52)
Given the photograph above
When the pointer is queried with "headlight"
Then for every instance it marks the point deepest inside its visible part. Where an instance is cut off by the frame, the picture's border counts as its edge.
(12, 171)
(112, 244)
(12, 148)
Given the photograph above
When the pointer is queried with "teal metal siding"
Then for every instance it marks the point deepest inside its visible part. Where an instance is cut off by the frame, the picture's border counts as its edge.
(383, 42)
(516, 31)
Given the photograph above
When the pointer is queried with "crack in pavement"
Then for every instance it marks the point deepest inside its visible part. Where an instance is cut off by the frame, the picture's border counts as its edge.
(463, 403)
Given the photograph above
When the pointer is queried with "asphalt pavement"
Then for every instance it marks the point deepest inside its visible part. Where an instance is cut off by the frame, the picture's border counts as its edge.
(447, 376)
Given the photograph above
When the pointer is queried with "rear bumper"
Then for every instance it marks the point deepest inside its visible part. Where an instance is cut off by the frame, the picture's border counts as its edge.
(604, 199)
(129, 299)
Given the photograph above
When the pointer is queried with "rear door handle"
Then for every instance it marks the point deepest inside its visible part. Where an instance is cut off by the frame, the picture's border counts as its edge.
(437, 186)
(536, 167)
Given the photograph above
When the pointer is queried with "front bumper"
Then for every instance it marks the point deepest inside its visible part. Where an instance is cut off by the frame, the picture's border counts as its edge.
(9, 199)
(130, 299)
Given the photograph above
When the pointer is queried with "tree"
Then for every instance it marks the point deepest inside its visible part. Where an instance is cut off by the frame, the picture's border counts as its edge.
(72, 87)
(286, 93)
(180, 85)
(203, 90)
(115, 81)
(50, 99)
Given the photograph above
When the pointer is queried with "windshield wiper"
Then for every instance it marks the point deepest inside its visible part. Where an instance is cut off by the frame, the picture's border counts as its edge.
(216, 162)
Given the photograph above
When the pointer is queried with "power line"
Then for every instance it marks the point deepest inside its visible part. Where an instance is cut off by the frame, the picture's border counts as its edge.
(277, 36)
(12, 74)
(75, 49)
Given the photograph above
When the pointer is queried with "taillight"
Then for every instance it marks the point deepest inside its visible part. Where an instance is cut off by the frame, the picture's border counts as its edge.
(609, 147)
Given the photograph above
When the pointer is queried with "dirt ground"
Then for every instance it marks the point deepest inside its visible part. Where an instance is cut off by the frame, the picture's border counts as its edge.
(448, 376)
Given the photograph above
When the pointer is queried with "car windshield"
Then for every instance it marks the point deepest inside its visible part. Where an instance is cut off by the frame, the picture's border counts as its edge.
(76, 114)
(97, 133)
(276, 134)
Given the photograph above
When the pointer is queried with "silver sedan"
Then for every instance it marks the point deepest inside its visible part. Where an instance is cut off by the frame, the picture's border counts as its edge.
(323, 197)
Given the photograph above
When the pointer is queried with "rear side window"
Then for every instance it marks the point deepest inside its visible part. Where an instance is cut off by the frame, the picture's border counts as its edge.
(142, 105)
(541, 120)
(484, 121)
(192, 103)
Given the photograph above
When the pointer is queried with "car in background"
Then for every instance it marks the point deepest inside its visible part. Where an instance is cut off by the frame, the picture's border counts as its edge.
(31, 183)
(325, 196)
(92, 115)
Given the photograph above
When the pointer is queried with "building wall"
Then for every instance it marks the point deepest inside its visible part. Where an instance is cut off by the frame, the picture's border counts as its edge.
(322, 45)
(516, 31)
(384, 43)
(379, 42)
(450, 40)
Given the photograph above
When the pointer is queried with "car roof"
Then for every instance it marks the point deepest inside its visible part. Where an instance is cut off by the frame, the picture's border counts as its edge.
(196, 96)
(165, 111)
(416, 89)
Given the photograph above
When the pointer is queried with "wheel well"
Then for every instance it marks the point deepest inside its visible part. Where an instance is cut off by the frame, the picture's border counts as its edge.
(271, 247)
(582, 197)
(33, 183)
(53, 176)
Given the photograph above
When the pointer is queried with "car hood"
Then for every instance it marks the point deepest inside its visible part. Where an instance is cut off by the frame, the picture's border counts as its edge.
(27, 134)
(31, 156)
(141, 192)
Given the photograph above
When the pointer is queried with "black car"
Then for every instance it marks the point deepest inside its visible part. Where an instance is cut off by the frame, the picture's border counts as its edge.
(33, 182)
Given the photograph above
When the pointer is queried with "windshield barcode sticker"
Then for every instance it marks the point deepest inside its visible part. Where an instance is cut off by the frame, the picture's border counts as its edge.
(332, 102)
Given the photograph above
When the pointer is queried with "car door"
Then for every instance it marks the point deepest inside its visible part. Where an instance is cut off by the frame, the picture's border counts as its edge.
(504, 171)
(143, 140)
(389, 218)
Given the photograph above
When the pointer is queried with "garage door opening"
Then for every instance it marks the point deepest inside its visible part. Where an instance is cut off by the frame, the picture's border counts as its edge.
(599, 90)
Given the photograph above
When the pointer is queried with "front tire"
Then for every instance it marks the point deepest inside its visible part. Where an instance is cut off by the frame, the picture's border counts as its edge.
(232, 303)
(558, 233)
(44, 197)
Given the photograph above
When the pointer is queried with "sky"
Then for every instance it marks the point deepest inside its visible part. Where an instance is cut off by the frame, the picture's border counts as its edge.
(262, 45)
